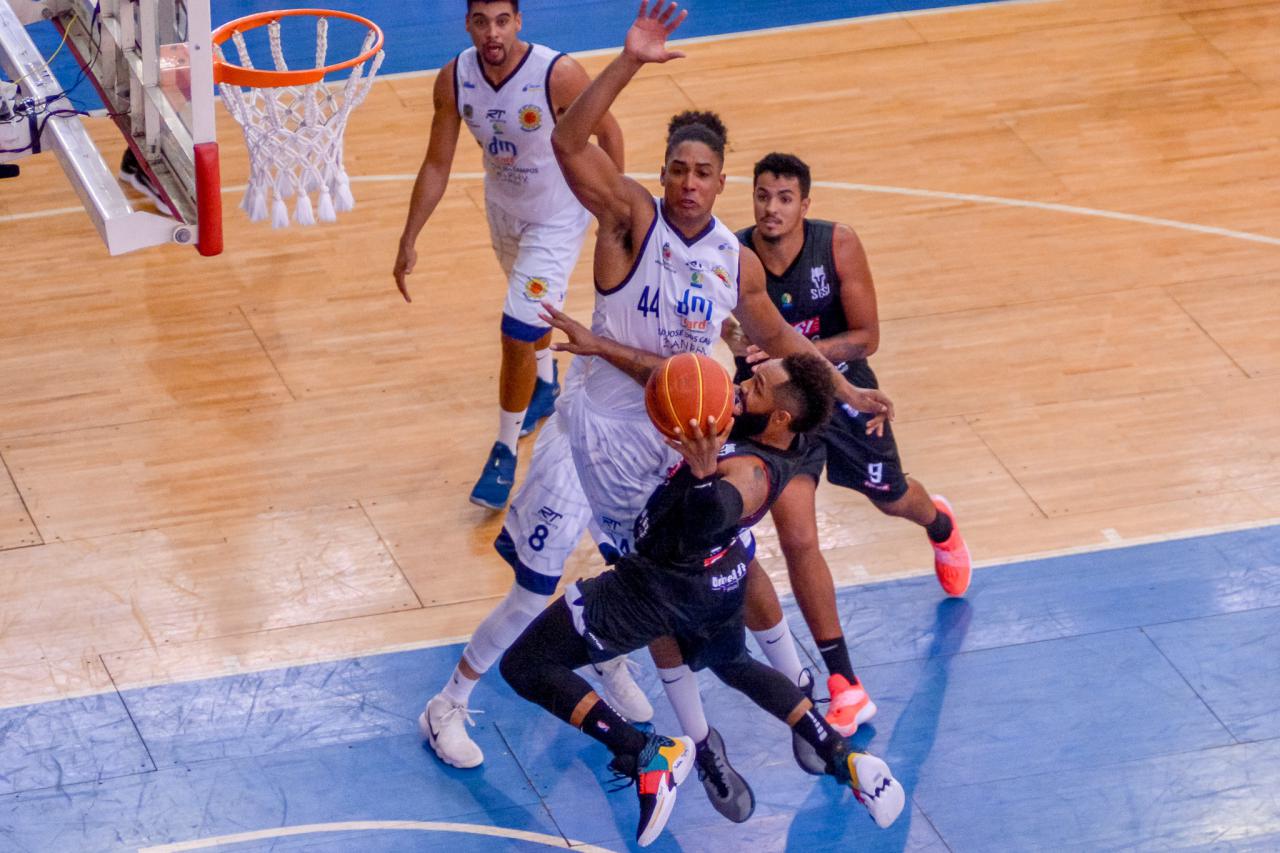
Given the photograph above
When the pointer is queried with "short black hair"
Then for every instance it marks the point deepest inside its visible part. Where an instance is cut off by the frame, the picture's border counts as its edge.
(784, 166)
(699, 126)
(515, 4)
(809, 393)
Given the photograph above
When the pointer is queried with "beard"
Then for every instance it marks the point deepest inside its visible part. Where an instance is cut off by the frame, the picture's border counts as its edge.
(748, 425)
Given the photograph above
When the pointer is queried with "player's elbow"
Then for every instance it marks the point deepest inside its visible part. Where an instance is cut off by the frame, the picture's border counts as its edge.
(561, 143)
(873, 343)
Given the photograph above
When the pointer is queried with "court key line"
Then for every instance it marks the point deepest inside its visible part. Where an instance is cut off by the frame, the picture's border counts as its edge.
(972, 198)
(377, 826)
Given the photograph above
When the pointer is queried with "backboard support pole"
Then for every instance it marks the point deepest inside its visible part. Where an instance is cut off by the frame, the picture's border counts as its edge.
(121, 228)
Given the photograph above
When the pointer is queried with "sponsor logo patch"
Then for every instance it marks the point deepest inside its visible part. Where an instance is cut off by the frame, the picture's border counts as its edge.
(530, 117)
(536, 289)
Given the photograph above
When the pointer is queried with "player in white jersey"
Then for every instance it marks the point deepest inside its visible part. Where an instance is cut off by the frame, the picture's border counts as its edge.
(667, 275)
(509, 93)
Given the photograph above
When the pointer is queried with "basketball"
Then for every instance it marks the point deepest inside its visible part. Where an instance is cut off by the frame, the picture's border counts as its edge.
(689, 387)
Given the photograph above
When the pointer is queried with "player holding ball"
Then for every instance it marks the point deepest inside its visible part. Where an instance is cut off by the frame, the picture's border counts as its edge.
(686, 579)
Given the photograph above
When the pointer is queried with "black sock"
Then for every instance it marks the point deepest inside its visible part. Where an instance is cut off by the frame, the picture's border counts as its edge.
(605, 725)
(939, 530)
(835, 654)
(818, 733)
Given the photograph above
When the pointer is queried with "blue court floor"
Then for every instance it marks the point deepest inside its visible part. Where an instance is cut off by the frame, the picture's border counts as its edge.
(1118, 700)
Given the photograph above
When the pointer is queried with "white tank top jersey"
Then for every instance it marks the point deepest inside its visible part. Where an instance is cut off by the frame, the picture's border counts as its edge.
(512, 123)
(674, 300)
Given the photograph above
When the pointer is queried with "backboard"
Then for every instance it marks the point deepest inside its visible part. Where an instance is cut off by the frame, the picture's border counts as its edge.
(151, 63)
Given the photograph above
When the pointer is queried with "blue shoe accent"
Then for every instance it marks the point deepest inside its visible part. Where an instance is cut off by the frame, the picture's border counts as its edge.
(494, 486)
(543, 402)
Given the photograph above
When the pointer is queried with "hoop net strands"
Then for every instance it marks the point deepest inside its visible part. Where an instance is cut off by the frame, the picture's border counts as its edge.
(294, 134)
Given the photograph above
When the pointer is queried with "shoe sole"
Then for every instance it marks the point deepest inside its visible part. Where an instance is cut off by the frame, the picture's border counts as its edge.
(679, 772)
(948, 584)
(486, 504)
(424, 729)
(864, 714)
(716, 802)
(877, 785)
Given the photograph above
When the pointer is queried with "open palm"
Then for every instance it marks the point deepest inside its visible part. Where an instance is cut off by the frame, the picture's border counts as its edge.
(647, 38)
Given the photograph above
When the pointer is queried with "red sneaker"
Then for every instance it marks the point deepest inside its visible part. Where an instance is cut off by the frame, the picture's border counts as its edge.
(850, 705)
(951, 558)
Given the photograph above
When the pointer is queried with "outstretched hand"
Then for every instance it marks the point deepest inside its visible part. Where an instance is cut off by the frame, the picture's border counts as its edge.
(647, 39)
(874, 402)
(582, 341)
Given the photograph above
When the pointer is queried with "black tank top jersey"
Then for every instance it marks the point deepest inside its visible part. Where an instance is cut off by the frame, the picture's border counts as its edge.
(665, 535)
(807, 294)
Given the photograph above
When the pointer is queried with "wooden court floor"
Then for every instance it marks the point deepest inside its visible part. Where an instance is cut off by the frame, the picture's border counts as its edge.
(212, 465)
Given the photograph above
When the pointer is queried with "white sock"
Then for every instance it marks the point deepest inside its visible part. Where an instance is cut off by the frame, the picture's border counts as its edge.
(681, 686)
(780, 648)
(546, 365)
(509, 424)
(458, 688)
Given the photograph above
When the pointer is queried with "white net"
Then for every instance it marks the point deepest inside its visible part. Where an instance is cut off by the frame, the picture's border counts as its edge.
(294, 134)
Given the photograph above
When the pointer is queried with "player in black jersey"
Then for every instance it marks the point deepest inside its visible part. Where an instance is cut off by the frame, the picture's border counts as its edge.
(818, 277)
(687, 580)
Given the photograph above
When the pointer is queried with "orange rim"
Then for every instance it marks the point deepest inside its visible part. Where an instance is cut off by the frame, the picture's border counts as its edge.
(238, 75)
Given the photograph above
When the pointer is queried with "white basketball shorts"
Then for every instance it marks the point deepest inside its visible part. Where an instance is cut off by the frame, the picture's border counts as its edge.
(537, 259)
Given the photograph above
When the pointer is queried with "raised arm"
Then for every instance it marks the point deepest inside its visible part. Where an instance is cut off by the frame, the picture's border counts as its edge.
(568, 80)
(765, 327)
(433, 176)
(614, 199)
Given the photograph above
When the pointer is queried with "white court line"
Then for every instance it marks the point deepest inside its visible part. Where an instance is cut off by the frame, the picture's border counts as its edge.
(377, 826)
(1111, 544)
(972, 198)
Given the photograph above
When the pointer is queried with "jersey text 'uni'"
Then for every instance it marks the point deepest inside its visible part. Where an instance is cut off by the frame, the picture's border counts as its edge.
(674, 300)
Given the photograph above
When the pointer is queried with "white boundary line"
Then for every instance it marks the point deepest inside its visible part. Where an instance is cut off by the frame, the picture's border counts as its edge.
(376, 826)
(971, 198)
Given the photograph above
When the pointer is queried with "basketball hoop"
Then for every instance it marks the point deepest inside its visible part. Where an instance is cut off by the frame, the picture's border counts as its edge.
(293, 124)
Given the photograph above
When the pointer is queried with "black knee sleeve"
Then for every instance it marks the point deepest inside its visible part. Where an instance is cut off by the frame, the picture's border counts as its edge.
(764, 685)
(540, 664)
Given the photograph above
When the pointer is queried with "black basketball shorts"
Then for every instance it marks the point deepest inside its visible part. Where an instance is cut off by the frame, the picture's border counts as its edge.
(855, 460)
(638, 601)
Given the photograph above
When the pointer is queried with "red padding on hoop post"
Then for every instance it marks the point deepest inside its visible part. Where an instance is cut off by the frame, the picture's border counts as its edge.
(208, 199)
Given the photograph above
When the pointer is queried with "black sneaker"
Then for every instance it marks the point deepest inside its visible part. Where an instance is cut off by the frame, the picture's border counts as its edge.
(725, 787)
(132, 173)
(806, 756)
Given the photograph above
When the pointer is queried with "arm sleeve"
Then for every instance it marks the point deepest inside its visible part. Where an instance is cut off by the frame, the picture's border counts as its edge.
(712, 511)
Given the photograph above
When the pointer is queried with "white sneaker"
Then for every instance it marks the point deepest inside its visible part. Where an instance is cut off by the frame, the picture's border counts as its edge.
(621, 690)
(874, 786)
(441, 725)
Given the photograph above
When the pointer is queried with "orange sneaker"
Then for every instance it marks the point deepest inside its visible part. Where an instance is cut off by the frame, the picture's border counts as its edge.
(850, 705)
(951, 558)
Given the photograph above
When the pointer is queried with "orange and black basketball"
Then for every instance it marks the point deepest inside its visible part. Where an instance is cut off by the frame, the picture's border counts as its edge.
(686, 387)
